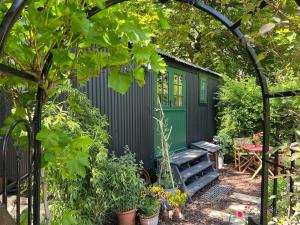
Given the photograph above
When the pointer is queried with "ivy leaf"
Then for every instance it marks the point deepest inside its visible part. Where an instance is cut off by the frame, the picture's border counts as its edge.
(118, 81)
(48, 138)
(266, 28)
(157, 63)
(76, 164)
(142, 54)
(81, 142)
(139, 75)
(80, 23)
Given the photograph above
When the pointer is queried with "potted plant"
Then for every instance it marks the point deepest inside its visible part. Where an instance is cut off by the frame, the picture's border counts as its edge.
(150, 205)
(118, 183)
(177, 200)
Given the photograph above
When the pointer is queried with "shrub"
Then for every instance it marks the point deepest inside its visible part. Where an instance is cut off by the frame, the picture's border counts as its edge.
(73, 135)
(116, 181)
(240, 111)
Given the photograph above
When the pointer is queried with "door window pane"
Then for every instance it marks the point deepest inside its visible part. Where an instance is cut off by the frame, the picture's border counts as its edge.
(178, 85)
(163, 88)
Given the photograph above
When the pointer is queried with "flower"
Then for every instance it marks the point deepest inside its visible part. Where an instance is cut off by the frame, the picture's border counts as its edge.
(240, 214)
(270, 210)
(178, 199)
(257, 137)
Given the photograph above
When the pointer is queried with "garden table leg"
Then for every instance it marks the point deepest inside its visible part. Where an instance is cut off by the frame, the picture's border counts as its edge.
(248, 163)
(257, 171)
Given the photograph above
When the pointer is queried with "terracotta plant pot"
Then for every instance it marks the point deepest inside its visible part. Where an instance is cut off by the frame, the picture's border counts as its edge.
(177, 213)
(150, 220)
(127, 218)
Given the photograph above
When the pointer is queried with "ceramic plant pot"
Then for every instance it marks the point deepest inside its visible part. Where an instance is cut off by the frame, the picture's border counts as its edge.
(127, 218)
(150, 220)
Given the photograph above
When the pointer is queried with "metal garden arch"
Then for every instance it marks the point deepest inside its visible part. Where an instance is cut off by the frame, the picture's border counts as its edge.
(13, 14)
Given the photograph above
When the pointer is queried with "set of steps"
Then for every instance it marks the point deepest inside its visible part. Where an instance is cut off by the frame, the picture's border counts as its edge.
(193, 169)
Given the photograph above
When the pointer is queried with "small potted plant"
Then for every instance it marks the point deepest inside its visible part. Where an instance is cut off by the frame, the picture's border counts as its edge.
(118, 183)
(257, 139)
(150, 205)
(177, 200)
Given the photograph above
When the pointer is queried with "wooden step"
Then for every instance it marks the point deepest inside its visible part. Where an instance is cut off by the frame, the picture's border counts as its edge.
(186, 174)
(195, 186)
(207, 146)
(186, 156)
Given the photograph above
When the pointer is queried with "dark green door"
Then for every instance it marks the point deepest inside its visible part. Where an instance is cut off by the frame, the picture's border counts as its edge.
(171, 90)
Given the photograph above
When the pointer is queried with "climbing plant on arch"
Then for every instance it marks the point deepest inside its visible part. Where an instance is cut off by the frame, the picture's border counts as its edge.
(56, 42)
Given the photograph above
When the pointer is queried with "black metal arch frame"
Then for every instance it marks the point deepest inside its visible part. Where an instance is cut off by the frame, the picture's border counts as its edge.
(13, 14)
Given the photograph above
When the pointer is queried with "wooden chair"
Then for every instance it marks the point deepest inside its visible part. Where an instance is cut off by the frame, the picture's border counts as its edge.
(240, 157)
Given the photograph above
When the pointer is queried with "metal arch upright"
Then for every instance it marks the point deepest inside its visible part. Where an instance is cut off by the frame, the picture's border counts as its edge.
(13, 14)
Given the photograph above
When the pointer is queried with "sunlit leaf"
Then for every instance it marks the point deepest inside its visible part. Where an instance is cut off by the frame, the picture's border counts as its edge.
(266, 28)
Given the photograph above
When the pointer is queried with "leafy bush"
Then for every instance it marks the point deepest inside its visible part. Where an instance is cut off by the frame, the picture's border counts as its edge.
(151, 200)
(117, 182)
(240, 111)
(73, 136)
(240, 108)
(149, 206)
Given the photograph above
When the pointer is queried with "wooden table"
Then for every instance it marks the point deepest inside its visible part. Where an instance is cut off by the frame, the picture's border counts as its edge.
(254, 158)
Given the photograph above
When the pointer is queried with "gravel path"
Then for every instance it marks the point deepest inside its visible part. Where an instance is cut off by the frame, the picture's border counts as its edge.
(197, 213)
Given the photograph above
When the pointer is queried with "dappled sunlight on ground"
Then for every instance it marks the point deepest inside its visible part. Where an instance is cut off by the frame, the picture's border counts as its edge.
(211, 212)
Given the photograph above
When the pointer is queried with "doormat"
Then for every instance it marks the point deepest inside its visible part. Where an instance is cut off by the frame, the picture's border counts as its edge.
(217, 193)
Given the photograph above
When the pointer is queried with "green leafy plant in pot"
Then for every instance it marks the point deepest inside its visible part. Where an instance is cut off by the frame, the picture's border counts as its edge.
(150, 205)
(117, 181)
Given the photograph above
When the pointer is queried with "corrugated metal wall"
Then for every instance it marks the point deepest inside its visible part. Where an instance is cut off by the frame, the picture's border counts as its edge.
(201, 124)
(129, 115)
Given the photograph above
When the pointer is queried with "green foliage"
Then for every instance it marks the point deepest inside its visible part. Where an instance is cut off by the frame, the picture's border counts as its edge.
(80, 44)
(288, 199)
(72, 137)
(117, 183)
(149, 206)
(240, 108)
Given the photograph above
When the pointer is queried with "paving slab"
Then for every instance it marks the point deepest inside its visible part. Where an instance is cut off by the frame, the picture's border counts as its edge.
(226, 217)
(246, 198)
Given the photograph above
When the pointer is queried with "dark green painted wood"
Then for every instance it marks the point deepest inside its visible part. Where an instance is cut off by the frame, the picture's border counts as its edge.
(175, 115)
